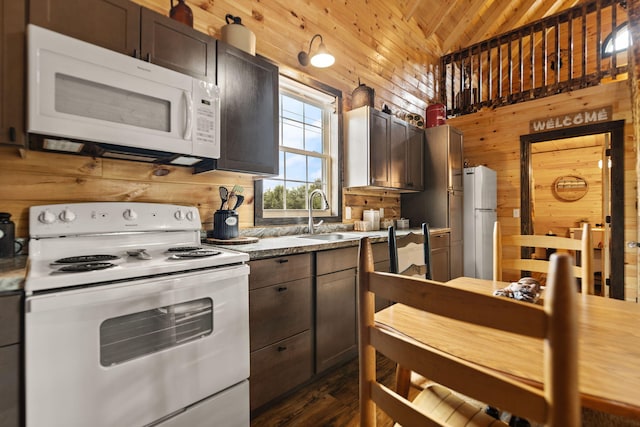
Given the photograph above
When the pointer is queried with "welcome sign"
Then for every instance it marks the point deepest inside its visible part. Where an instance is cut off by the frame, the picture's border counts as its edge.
(581, 118)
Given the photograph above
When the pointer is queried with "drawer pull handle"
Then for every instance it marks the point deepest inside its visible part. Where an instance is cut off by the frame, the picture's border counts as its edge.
(282, 288)
(282, 261)
(282, 348)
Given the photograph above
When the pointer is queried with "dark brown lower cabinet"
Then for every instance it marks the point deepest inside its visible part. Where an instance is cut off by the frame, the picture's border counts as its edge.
(278, 368)
(10, 359)
(336, 335)
(440, 257)
(10, 386)
(280, 326)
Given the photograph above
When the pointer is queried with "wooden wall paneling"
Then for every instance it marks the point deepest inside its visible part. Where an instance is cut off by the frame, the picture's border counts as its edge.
(49, 178)
(557, 216)
(361, 199)
(370, 41)
(492, 138)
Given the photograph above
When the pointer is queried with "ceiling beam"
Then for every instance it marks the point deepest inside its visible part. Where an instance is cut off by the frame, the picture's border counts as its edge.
(439, 15)
(455, 37)
(493, 17)
(413, 6)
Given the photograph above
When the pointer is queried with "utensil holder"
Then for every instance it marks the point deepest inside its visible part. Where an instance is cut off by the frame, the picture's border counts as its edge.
(225, 224)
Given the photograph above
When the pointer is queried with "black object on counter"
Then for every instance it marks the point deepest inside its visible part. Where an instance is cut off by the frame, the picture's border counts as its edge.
(225, 224)
(7, 236)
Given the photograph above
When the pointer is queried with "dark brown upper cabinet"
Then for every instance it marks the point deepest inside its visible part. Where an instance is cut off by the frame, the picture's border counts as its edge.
(128, 28)
(12, 72)
(249, 112)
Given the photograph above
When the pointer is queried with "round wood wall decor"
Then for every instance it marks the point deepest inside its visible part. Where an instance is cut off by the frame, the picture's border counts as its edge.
(570, 188)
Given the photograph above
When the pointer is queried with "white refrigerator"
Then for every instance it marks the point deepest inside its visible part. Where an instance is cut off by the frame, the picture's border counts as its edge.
(479, 215)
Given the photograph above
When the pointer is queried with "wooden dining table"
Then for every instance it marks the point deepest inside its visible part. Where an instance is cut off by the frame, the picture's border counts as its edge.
(609, 346)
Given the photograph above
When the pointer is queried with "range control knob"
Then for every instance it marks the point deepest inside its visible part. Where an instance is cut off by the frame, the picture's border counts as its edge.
(67, 216)
(129, 214)
(190, 215)
(46, 217)
(179, 215)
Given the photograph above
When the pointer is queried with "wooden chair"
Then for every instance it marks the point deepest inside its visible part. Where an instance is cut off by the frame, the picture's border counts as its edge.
(525, 263)
(404, 259)
(555, 325)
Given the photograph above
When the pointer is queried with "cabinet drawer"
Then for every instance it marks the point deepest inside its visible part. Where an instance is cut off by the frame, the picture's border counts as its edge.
(270, 271)
(380, 252)
(336, 260)
(10, 325)
(279, 311)
(439, 241)
(280, 367)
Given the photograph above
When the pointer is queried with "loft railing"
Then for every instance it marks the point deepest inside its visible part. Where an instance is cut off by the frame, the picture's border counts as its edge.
(556, 54)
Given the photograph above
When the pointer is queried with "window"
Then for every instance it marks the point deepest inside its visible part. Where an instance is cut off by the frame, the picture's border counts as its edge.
(309, 147)
(621, 42)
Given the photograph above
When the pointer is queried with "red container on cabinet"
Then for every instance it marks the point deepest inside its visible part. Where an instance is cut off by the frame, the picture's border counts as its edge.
(436, 115)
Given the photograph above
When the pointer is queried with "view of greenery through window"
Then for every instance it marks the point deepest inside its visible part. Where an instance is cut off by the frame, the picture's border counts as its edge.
(296, 197)
(303, 157)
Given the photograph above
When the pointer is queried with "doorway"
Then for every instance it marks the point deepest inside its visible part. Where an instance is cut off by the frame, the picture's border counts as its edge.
(612, 189)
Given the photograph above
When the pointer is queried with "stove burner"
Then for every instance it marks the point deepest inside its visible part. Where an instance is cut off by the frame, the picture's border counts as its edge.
(184, 249)
(199, 253)
(90, 266)
(86, 258)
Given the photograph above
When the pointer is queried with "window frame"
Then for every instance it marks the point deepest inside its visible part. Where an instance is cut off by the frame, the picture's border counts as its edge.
(610, 38)
(335, 168)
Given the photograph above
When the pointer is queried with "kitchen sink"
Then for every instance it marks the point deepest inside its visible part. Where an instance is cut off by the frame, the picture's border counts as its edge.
(328, 237)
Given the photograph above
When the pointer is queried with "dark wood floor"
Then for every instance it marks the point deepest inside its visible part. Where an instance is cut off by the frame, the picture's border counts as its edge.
(327, 402)
(332, 401)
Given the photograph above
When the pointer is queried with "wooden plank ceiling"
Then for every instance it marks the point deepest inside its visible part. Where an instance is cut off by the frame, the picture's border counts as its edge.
(456, 24)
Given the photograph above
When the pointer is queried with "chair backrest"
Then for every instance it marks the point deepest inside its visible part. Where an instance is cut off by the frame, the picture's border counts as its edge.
(405, 258)
(555, 326)
(520, 261)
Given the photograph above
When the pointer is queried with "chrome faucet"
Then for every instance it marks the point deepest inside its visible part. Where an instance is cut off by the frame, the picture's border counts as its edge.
(312, 226)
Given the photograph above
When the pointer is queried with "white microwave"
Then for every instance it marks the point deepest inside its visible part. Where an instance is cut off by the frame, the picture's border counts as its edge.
(85, 99)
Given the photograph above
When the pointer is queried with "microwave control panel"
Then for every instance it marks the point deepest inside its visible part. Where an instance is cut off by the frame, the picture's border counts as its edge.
(206, 105)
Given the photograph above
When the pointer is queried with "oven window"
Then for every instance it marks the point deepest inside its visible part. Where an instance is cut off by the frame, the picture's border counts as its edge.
(134, 335)
(97, 101)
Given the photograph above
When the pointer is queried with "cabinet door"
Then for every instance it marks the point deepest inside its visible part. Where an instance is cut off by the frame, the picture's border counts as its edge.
(415, 156)
(336, 335)
(112, 24)
(456, 158)
(249, 112)
(171, 44)
(379, 149)
(398, 150)
(10, 319)
(10, 386)
(440, 257)
(12, 71)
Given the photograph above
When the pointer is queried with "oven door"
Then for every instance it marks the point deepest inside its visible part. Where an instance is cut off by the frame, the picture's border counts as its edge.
(129, 354)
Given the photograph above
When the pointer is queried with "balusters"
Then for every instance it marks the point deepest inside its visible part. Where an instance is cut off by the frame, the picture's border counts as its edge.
(484, 74)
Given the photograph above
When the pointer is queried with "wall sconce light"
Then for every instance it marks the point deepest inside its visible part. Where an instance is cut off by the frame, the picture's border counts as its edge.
(321, 59)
